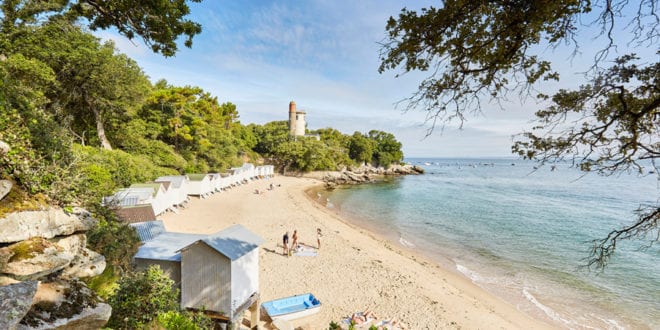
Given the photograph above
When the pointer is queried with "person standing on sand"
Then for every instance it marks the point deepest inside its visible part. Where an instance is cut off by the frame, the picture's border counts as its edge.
(318, 237)
(285, 244)
(294, 243)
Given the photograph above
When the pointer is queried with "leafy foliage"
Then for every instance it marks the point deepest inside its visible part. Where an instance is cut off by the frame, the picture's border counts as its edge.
(184, 321)
(140, 297)
(159, 23)
(115, 240)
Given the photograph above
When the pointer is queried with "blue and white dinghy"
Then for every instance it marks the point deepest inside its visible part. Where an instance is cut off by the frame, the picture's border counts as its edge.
(294, 307)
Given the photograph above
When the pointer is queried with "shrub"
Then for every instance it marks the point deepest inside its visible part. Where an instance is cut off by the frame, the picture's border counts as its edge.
(140, 297)
(184, 321)
(115, 240)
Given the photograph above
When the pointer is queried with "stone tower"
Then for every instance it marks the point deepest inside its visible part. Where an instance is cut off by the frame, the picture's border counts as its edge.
(297, 122)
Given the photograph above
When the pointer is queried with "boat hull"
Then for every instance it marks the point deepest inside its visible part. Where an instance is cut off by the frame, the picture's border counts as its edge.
(291, 308)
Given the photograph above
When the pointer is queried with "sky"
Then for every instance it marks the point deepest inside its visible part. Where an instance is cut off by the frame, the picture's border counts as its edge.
(324, 55)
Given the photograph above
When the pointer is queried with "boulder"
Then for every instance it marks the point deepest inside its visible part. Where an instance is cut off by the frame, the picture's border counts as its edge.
(66, 305)
(34, 258)
(49, 223)
(87, 263)
(15, 302)
(89, 318)
(5, 187)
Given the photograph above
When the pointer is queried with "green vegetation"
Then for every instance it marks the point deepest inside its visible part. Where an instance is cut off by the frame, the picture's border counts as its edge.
(331, 151)
(140, 297)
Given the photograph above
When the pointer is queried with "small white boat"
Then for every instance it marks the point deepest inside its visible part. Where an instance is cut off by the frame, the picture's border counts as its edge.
(293, 307)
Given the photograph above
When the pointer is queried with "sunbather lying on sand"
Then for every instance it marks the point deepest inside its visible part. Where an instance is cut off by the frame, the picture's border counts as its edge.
(359, 318)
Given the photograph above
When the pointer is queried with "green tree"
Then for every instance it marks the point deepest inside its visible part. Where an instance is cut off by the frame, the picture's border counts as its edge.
(361, 149)
(478, 51)
(158, 23)
(140, 297)
(387, 149)
(98, 88)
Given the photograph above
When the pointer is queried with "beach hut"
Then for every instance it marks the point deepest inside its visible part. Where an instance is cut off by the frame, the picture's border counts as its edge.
(163, 251)
(178, 189)
(220, 273)
(248, 171)
(199, 185)
(160, 201)
(148, 230)
(215, 181)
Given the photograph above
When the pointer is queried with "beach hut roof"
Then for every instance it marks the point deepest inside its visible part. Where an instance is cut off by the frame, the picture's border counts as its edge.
(155, 186)
(148, 230)
(197, 176)
(166, 246)
(233, 242)
(136, 213)
(176, 180)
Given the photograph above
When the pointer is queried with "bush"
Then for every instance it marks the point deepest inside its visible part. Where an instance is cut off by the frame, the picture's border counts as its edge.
(115, 240)
(140, 297)
(184, 321)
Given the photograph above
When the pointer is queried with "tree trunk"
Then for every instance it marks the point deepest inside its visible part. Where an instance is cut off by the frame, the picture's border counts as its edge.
(100, 131)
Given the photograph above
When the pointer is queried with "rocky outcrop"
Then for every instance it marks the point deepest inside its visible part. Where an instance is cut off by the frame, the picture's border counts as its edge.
(53, 222)
(66, 305)
(38, 257)
(89, 318)
(49, 246)
(364, 174)
(15, 302)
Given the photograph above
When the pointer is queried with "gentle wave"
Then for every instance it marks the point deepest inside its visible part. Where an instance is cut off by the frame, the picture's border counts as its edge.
(406, 243)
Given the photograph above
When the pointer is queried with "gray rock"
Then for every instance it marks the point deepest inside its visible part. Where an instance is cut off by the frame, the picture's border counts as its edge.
(43, 261)
(47, 257)
(19, 226)
(5, 187)
(4, 147)
(15, 302)
(87, 263)
(89, 318)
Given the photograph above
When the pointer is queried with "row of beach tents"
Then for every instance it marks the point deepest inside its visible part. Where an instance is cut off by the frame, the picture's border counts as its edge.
(145, 201)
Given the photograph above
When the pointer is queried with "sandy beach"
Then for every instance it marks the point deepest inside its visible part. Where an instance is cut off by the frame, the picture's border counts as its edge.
(354, 269)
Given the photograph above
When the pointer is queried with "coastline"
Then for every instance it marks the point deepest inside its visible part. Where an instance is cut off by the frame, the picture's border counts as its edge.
(355, 269)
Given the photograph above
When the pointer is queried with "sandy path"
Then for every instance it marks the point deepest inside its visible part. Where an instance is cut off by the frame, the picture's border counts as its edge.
(354, 269)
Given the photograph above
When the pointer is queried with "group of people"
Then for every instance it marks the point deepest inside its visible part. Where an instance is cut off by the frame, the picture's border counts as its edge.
(288, 249)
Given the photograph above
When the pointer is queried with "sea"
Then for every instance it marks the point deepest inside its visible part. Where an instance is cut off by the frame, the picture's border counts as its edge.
(522, 232)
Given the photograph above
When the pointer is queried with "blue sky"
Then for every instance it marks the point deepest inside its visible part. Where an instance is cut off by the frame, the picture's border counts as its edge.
(323, 55)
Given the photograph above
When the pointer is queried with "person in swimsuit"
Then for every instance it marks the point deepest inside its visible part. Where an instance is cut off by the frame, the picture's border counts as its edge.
(318, 237)
(285, 244)
(294, 243)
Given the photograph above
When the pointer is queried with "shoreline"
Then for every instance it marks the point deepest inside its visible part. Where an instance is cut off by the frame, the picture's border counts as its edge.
(356, 269)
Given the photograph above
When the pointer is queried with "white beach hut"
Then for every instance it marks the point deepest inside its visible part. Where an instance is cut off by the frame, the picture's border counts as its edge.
(163, 250)
(199, 185)
(248, 170)
(160, 201)
(220, 272)
(178, 187)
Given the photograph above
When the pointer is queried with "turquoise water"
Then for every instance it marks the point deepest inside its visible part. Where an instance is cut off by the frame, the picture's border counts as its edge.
(522, 234)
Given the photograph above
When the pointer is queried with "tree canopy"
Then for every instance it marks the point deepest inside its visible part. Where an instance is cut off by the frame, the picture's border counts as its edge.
(478, 52)
(158, 23)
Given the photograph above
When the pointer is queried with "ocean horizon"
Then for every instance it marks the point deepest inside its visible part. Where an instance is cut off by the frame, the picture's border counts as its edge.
(521, 232)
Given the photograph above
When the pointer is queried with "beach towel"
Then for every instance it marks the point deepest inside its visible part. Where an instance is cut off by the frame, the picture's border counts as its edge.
(385, 324)
(306, 253)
